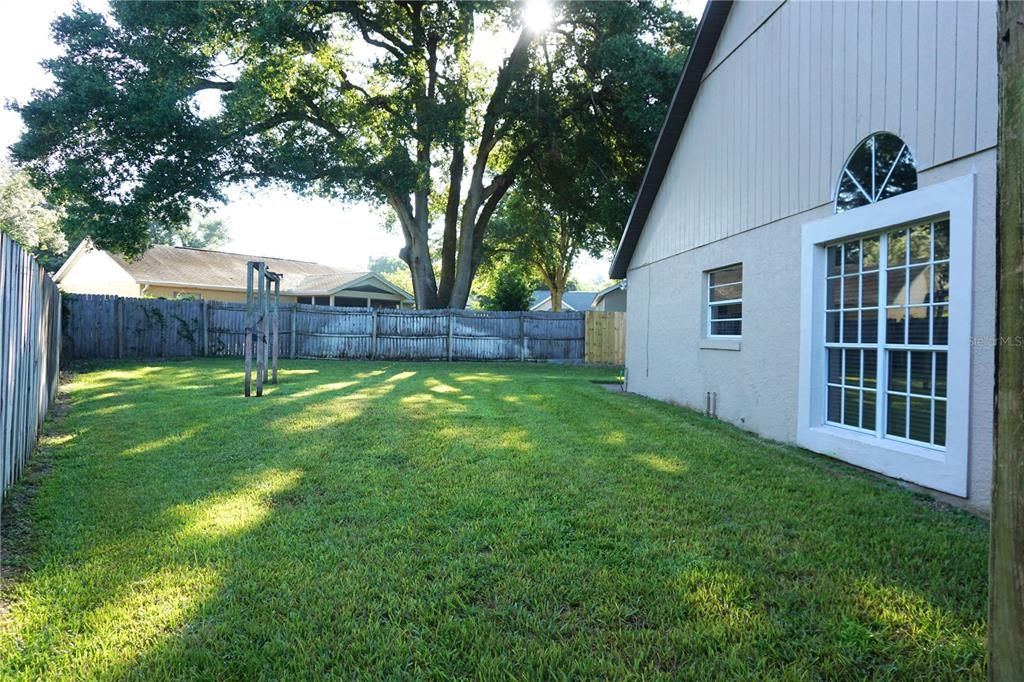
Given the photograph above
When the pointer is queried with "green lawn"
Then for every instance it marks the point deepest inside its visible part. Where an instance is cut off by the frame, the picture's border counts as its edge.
(463, 520)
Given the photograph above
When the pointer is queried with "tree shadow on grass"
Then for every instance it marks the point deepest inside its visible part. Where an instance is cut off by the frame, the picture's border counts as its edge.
(464, 520)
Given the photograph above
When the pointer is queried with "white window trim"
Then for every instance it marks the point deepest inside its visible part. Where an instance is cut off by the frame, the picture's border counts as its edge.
(941, 470)
(708, 305)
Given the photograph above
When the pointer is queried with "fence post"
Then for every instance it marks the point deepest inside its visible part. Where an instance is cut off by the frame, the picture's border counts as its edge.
(373, 333)
(276, 305)
(591, 335)
(247, 340)
(261, 327)
(451, 331)
(522, 336)
(205, 322)
(119, 324)
(291, 337)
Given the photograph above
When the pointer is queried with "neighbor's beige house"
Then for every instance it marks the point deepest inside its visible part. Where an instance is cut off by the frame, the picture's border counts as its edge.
(812, 249)
(179, 272)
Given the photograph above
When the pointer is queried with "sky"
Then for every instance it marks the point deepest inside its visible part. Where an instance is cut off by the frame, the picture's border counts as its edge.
(274, 222)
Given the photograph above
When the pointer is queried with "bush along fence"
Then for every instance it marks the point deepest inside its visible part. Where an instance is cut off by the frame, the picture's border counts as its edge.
(99, 327)
(29, 355)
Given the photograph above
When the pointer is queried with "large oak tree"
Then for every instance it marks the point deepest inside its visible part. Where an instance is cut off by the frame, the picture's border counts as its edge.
(359, 101)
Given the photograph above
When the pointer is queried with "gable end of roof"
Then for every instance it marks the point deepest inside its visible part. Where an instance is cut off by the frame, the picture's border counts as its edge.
(708, 32)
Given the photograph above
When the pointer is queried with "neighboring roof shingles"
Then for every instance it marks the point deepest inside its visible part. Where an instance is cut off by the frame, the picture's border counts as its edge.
(326, 282)
(220, 269)
(201, 267)
(577, 300)
(697, 61)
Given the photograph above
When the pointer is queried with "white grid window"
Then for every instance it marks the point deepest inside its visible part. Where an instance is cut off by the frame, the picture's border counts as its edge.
(725, 302)
(903, 360)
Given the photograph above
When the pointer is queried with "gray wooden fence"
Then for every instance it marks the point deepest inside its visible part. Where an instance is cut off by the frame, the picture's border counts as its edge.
(115, 327)
(29, 355)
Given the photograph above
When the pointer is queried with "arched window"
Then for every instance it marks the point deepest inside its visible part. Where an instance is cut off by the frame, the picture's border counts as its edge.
(881, 167)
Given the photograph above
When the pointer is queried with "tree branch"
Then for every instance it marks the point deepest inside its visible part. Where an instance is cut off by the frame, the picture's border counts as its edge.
(365, 23)
(206, 84)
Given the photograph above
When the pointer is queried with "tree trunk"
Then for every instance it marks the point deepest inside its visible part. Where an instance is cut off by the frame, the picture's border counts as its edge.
(556, 298)
(1006, 558)
(464, 268)
(416, 254)
(451, 225)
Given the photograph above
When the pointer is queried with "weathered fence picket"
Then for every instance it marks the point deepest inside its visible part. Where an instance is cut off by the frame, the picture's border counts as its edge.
(154, 328)
(29, 355)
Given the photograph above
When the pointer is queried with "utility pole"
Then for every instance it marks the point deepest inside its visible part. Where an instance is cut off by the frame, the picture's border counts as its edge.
(1006, 559)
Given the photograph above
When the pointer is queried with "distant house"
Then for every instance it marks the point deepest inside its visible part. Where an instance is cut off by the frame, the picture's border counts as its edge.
(571, 300)
(811, 253)
(179, 272)
(611, 299)
(538, 297)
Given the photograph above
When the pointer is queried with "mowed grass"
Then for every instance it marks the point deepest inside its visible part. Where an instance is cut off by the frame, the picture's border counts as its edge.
(465, 520)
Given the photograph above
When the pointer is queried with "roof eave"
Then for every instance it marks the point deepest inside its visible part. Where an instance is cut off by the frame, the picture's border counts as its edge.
(708, 32)
(607, 290)
(383, 281)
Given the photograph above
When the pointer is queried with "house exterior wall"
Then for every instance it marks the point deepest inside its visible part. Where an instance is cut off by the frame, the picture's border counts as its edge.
(774, 122)
(613, 302)
(780, 110)
(94, 272)
(170, 292)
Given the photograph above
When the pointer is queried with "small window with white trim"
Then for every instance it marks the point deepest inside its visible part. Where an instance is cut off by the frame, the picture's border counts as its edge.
(725, 302)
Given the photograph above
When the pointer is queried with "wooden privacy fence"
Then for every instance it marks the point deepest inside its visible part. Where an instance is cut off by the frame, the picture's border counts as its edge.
(115, 327)
(606, 338)
(29, 355)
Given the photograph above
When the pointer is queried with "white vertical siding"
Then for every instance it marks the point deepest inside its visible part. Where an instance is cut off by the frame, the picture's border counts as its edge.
(781, 108)
(987, 78)
(744, 18)
(945, 80)
(965, 128)
(927, 35)
(908, 88)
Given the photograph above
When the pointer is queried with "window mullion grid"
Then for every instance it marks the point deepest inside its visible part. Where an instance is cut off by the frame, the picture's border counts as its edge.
(711, 305)
(892, 168)
(842, 385)
(932, 404)
(874, 163)
(860, 332)
(838, 311)
(860, 187)
(881, 356)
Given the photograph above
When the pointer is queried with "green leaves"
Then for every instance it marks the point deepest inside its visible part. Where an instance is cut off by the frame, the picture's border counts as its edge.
(25, 215)
(510, 289)
(158, 107)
